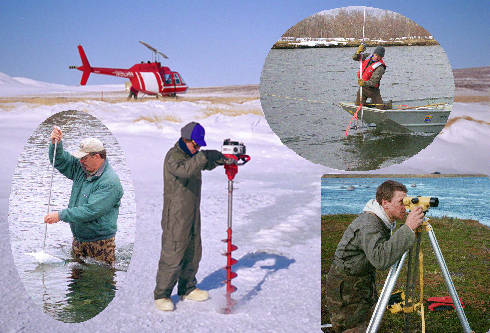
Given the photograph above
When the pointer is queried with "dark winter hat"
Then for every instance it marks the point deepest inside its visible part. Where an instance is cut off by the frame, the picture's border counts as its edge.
(379, 51)
(194, 131)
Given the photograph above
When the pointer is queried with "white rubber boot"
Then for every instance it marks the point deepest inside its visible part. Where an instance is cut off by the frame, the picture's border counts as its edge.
(197, 295)
(164, 304)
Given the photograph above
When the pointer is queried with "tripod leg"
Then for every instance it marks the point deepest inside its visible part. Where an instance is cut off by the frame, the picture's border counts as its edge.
(417, 252)
(408, 290)
(385, 295)
(449, 281)
(422, 314)
(411, 290)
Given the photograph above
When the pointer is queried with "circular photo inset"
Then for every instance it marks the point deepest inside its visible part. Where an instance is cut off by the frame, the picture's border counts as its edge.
(357, 88)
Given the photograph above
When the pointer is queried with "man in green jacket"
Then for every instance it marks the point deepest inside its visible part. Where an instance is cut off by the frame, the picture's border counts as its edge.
(369, 244)
(95, 198)
(181, 218)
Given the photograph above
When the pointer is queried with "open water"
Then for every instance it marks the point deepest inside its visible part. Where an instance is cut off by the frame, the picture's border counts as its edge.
(68, 291)
(308, 84)
(459, 197)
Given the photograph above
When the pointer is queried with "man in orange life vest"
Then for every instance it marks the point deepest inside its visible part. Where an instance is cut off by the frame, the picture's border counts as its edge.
(373, 69)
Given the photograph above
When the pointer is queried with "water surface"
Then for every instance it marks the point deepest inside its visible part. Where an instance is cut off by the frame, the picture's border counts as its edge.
(459, 197)
(300, 90)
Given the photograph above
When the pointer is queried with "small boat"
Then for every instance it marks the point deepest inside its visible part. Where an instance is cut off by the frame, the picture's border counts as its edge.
(350, 188)
(427, 115)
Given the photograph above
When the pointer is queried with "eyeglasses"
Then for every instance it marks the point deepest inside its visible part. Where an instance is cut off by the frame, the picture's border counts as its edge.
(196, 146)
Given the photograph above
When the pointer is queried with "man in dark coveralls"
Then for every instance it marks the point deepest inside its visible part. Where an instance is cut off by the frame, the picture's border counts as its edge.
(369, 244)
(181, 218)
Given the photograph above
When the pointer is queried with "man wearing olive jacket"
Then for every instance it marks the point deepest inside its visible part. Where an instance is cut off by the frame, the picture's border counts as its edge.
(373, 69)
(369, 244)
(181, 217)
(95, 198)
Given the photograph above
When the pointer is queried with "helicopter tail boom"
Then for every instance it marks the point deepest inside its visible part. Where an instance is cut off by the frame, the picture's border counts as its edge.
(87, 69)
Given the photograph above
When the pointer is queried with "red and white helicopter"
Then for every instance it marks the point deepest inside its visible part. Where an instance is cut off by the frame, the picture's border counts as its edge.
(150, 78)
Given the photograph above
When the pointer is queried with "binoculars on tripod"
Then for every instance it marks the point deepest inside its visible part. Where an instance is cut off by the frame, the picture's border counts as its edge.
(424, 202)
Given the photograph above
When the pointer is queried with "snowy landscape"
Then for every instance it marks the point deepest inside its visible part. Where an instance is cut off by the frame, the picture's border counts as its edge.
(276, 207)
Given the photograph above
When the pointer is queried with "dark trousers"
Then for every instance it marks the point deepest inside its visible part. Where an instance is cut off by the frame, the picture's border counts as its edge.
(374, 94)
(179, 262)
(350, 300)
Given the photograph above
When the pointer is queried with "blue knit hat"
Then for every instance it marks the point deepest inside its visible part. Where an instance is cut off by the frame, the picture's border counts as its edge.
(194, 131)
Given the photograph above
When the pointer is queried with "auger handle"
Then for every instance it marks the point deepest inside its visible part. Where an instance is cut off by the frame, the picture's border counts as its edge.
(243, 158)
(239, 159)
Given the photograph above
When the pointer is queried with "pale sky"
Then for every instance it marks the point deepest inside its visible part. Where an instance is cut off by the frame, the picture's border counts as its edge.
(210, 43)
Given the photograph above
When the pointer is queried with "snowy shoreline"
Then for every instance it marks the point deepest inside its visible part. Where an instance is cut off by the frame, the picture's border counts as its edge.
(432, 175)
(275, 223)
(307, 42)
(276, 213)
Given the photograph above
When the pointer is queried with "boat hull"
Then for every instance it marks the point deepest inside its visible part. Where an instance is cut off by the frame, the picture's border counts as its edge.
(419, 116)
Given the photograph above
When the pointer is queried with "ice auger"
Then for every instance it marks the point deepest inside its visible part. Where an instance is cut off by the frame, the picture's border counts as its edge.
(235, 154)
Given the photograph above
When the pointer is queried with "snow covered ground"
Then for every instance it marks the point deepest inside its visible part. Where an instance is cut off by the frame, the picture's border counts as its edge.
(276, 212)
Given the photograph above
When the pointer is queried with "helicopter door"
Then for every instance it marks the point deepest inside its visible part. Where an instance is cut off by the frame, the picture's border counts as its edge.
(169, 83)
(150, 80)
(177, 79)
(176, 82)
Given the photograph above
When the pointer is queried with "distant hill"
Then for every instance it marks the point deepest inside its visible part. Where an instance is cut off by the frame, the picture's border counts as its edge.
(348, 23)
(6, 80)
(20, 86)
(475, 78)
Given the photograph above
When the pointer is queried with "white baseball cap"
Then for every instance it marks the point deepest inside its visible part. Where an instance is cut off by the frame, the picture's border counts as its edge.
(89, 145)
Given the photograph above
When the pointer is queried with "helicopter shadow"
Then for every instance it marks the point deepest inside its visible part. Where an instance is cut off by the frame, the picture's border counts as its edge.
(217, 279)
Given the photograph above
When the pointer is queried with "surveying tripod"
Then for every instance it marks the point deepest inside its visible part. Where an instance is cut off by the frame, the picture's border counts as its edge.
(395, 272)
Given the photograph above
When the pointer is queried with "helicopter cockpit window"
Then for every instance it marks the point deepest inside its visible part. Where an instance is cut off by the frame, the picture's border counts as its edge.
(168, 79)
(177, 79)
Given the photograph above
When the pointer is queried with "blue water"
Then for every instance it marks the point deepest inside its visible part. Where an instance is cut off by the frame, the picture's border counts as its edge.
(461, 197)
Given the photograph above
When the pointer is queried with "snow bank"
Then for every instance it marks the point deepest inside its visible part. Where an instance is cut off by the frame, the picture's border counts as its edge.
(276, 215)
(276, 227)
(19, 86)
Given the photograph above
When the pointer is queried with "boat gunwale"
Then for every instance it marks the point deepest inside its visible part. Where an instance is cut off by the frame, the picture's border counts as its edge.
(446, 107)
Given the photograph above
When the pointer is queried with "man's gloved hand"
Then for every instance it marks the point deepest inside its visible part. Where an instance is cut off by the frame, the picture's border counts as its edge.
(361, 82)
(214, 156)
(361, 49)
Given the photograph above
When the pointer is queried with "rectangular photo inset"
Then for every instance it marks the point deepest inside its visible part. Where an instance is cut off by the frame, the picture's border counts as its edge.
(402, 252)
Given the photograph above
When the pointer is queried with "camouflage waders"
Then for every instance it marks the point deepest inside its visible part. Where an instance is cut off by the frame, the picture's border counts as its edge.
(374, 94)
(102, 250)
(350, 300)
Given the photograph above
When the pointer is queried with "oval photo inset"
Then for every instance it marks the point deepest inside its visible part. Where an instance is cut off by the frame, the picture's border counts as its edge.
(309, 86)
(72, 268)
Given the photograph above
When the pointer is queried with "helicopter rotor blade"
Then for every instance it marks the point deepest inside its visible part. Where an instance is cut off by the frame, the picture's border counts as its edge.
(149, 46)
(153, 49)
(163, 55)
